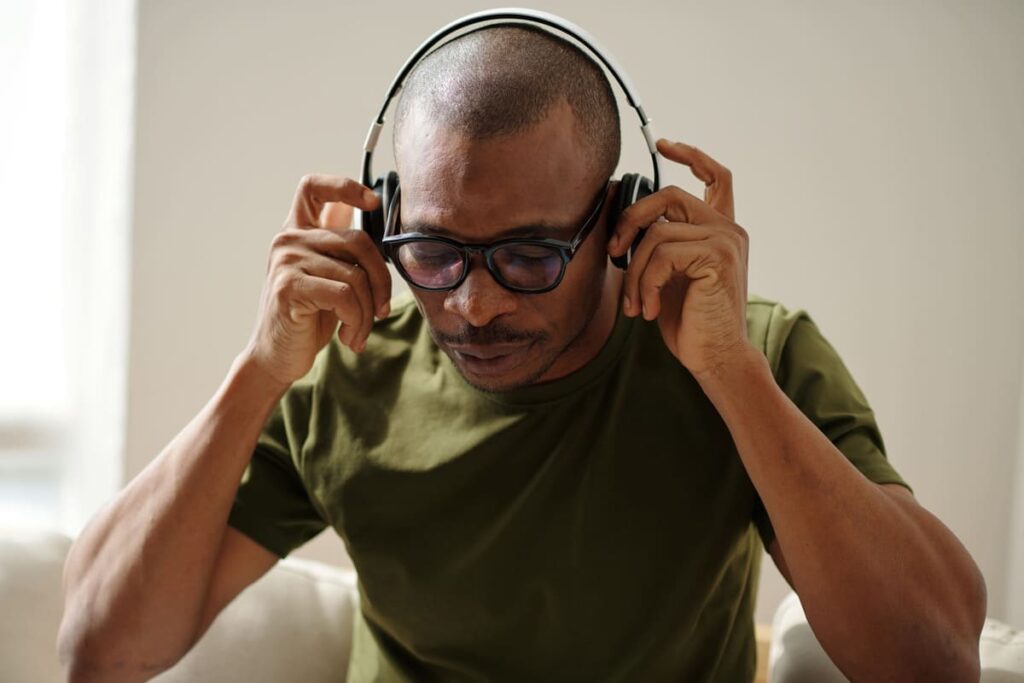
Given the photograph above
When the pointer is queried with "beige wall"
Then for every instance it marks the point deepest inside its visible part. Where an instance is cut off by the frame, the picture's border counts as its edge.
(877, 154)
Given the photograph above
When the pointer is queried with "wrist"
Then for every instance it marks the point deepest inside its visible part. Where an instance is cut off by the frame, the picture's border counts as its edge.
(736, 374)
(247, 375)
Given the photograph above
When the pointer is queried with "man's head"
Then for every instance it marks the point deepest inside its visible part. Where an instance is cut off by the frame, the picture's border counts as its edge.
(505, 128)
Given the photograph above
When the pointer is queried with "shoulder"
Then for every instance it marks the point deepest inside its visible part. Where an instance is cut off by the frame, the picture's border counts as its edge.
(389, 348)
(783, 334)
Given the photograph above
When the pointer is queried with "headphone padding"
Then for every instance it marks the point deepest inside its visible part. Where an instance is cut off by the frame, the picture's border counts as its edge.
(375, 221)
(632, 187)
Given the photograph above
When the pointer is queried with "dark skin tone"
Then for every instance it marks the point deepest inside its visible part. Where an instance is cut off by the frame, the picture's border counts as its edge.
(890, 592)
(477, 191)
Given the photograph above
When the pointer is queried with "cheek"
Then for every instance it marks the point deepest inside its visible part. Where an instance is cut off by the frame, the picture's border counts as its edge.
(431, 304)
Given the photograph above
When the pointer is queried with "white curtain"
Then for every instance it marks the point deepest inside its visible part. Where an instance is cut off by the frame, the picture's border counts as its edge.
(66, 107)
(1015, 612)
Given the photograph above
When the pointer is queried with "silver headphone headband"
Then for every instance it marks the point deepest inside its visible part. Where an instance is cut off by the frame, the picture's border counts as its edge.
(512, 14)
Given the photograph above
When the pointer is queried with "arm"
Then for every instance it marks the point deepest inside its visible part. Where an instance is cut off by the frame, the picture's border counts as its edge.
(153, 568)
(137, 578)
(890, 592)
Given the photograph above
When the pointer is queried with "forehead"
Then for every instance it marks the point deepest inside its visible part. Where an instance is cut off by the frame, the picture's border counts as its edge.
(475, 189)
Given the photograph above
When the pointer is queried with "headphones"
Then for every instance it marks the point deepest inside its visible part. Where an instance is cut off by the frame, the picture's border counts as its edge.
(632, 186)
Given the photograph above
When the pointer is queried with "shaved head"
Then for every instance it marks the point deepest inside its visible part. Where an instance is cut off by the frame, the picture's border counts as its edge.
(501, 80)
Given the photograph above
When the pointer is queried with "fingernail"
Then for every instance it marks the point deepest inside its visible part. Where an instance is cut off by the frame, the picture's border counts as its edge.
(384, 309)
(626, 305)
(645, 311)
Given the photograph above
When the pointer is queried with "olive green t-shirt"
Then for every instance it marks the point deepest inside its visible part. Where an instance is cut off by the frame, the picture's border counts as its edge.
(599, 527)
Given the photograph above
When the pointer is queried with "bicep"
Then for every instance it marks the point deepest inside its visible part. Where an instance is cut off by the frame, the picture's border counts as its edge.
(240, 562)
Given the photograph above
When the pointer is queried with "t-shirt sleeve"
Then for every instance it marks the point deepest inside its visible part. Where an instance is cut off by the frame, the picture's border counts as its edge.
(272, 505)
(811, 373)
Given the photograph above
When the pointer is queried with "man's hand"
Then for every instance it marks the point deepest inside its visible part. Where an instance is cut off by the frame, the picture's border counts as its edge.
(690, 270)
(319, 272)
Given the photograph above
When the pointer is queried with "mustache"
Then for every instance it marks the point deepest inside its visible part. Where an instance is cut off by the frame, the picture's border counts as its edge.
(489, 334)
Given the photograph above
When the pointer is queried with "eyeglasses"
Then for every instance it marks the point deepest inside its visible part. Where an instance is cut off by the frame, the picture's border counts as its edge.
(528, 265)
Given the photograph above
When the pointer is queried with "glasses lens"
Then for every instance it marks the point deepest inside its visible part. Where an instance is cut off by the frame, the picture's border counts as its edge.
(528, 266)
(429, 263)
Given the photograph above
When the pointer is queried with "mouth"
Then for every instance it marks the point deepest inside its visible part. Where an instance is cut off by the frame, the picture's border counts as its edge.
(490, 359)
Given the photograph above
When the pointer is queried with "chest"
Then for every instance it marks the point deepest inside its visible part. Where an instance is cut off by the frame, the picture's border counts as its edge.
(515, 525)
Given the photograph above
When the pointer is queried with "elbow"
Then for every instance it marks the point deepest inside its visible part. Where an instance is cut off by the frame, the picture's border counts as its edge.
(964, 662)
(89, 658)
(956, 657)
(86, 667)
(960, 666)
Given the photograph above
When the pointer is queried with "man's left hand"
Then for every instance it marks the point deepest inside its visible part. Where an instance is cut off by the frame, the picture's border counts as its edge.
(690, 269)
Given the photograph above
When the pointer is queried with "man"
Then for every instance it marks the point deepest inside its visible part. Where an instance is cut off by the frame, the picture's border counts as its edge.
(565, 485)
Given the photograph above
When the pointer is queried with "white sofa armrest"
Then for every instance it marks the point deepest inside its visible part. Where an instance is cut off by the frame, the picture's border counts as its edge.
(293, 624)
(796, 656)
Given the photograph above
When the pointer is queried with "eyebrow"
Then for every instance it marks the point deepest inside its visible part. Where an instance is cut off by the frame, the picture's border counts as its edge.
(558, 232)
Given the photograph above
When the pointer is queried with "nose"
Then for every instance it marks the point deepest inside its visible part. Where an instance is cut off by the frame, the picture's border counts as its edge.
(479, 299)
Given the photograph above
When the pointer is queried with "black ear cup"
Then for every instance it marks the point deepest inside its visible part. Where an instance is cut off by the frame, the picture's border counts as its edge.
(631, 188)
(375, 221)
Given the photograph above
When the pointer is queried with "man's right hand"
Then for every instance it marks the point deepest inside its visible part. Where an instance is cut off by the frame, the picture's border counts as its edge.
(319, 272)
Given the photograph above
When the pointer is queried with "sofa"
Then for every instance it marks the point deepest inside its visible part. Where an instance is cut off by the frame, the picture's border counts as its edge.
(295, 624)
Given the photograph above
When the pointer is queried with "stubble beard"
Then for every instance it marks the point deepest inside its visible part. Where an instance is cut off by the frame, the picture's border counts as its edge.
(591, 303)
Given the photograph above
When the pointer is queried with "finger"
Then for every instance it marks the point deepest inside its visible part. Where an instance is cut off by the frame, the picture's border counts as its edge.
(313, 294)
(357, 247)
(659, 233)
(342, 271)
(315, 190)
(701, 260)
(346, 333)
(717, 178)
(672, 203)
(336, 215)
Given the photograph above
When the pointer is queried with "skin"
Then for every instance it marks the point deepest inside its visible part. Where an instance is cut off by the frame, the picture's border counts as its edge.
(476, 191)
(890, 592)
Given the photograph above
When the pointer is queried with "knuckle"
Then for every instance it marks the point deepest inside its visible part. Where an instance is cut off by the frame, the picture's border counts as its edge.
(306, 181)
(731, 251)
(359, 275)
(357, 238)
(284, 285)
(287, 256)
(283, 239)
(656, 232)
(660, 252)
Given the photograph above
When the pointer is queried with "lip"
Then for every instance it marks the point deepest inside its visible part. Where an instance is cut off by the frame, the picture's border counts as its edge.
(490, 359)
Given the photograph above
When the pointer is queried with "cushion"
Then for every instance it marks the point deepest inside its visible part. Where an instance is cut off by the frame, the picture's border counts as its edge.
(294, 623)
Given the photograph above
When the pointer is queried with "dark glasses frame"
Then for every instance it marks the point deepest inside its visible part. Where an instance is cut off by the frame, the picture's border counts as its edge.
(394, 238)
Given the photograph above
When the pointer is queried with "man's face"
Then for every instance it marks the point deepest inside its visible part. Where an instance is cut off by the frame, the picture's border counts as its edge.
(477, 191)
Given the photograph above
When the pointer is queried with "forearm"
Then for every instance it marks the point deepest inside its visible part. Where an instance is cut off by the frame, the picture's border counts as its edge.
(135, 579)
(884, 584)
